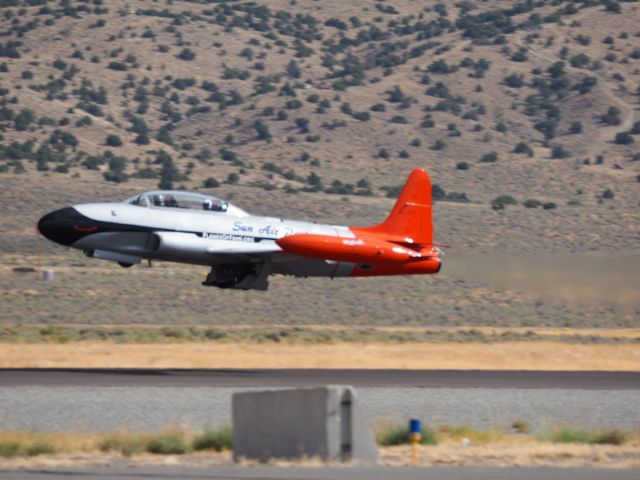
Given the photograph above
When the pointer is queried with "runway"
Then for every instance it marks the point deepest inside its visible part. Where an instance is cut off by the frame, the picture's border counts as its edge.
(238, 378)
(325, 473)
(102, 400)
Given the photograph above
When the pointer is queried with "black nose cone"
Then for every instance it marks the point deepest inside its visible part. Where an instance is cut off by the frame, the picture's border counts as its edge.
(61, 226)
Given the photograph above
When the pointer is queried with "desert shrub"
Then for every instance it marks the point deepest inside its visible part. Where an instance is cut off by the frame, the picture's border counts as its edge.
(580, 61)
(210, 182)
(84, 121)
(293, 69)
(362, 116)
(314, 180)
(612, 117)
(575, 128)
(490, 157)
(570, 435)
(520, 55)
(125, 443)
(610, 437)
(623, 138)
(293, 104)
(612, 6)
(167, 444)
(302, 124)
(41, 447)
(400, 435)
(501, 202)
(145, 173)
(24, 119)
(169, 172)
(113, 141)
(462, 166)
(228, 155)
(558, 151)
(59, 64)
(440, 66)
(523, 148)
(183, 83)
(467, 431)
(549, 206)
(336, 23)
(186, 54)
(217, 440)
(437, 192)
(521, 426)
(9, 448)
(427, 122)
(118, 66)
(438, 145)
(532, 203)
(233, 178)
(514, 80)
(608, 194)
(262, 131)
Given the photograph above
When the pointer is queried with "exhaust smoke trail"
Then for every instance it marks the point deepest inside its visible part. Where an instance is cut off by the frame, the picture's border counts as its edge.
(599, 278)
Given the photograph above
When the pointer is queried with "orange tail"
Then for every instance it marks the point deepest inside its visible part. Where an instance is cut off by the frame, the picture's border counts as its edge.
(410, 218)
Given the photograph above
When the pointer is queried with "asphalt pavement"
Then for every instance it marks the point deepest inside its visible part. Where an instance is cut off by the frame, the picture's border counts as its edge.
(66, 377)
(324, 473)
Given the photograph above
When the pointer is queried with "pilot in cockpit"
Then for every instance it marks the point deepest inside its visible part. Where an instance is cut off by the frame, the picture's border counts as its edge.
(207, 204)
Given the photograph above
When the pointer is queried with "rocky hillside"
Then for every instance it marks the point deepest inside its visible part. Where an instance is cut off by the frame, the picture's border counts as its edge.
(533, 100)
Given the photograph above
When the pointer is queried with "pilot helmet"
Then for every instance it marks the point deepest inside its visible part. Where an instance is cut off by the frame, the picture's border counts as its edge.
(207, 204)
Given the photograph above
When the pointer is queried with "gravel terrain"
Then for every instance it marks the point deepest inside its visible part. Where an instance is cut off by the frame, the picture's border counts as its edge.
(91, 409)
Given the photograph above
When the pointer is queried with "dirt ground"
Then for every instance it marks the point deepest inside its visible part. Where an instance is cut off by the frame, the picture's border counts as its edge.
(515, 453)
(499, 356)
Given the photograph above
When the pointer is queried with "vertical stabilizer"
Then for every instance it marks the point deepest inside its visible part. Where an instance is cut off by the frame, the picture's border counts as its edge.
(411, 215)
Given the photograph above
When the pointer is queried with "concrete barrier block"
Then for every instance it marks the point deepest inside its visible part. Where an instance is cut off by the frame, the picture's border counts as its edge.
(325, 422)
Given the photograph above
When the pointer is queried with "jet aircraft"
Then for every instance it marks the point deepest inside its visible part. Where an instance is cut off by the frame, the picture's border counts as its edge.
(243, 249)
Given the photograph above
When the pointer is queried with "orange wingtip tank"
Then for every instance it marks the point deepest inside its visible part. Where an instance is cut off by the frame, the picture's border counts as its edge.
(367, 250)
(421, 267)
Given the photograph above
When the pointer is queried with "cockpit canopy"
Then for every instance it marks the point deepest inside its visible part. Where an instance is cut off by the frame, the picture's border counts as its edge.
(187, 200)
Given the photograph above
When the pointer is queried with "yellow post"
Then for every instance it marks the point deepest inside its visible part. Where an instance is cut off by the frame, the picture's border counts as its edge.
(414, 450)
(415, 436)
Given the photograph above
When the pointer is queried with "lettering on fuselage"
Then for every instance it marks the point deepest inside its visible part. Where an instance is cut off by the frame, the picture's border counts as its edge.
(267, 231)
(241, 227)
(227, 236)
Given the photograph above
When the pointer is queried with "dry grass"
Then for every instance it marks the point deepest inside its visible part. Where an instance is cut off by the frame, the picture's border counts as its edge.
(522, 453)
(500, 356)
(515, 450)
